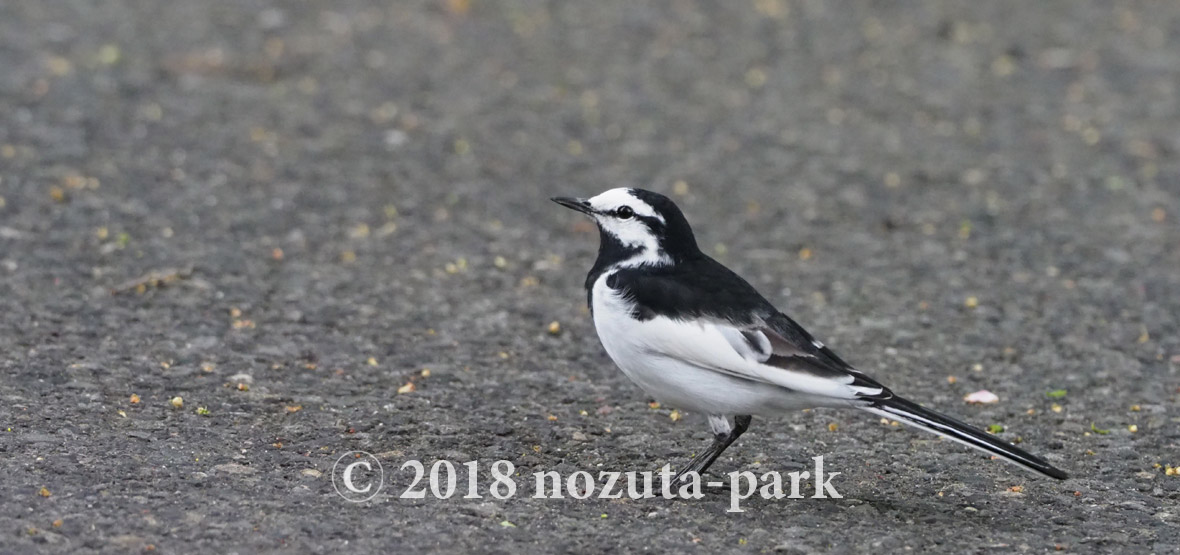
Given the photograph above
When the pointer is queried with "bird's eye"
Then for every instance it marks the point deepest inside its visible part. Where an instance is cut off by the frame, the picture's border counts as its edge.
(624, 212)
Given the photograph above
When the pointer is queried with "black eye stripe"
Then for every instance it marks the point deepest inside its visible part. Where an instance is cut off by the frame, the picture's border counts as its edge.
(651, 222)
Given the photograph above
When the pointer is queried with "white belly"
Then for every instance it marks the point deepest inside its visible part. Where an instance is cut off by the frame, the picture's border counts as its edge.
(636, 347)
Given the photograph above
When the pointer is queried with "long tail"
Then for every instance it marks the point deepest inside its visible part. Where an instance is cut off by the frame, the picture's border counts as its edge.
(906, 412)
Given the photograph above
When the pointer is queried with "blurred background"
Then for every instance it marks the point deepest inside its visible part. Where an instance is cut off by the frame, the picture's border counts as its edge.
(414, 140)
(343, 206)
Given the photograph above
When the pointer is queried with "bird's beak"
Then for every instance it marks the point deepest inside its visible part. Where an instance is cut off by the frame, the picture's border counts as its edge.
(580, 204)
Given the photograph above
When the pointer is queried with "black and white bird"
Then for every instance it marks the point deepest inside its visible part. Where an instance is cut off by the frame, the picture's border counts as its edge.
(696, 336)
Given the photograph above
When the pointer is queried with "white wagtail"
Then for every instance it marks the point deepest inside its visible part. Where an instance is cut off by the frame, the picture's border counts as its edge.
(694, 335)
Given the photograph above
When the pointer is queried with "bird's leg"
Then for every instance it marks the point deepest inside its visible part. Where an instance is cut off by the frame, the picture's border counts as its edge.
(724, 435)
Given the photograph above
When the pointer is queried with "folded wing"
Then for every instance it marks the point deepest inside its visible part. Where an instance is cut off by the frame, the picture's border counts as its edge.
(743, 336)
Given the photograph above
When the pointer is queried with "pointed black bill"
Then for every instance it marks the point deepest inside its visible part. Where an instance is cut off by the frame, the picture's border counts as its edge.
(580, 204)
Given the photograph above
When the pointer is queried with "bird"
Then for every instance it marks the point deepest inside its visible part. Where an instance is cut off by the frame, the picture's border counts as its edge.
(696, 336)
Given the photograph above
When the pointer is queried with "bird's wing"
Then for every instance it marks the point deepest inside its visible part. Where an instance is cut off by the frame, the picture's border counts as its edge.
(731, 329)
(782, 343)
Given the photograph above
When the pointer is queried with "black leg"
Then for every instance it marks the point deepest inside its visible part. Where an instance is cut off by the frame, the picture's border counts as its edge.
(721, 442)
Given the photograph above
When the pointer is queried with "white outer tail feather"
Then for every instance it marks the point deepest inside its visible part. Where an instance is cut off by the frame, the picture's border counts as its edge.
(915, 420)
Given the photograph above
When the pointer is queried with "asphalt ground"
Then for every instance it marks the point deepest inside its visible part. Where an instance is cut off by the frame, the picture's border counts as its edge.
(325, 227)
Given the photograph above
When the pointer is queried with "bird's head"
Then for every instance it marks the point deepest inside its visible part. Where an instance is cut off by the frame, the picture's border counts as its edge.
(637, 225)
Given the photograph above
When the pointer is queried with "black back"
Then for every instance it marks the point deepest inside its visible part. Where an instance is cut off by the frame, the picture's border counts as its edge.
(693, 287)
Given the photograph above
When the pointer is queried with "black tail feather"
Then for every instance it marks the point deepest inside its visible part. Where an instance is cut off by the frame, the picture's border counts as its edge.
(910, 413)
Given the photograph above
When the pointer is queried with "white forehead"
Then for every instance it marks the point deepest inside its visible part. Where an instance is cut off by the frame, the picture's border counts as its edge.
(622, 196)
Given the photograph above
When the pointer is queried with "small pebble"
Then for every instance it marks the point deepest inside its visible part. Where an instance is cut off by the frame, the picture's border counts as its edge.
(982, 396)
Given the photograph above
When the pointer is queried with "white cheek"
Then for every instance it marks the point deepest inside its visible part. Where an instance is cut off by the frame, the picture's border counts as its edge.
(631, 233)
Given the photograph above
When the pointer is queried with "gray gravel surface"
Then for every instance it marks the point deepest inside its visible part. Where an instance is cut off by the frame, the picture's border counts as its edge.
(322, 200)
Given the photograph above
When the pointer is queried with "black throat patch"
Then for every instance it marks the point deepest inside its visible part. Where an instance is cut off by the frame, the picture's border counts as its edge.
(611, 251)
